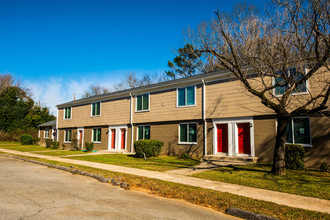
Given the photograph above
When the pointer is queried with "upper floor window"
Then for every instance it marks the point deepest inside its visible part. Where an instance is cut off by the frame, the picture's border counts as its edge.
(96, 109)
(67, 135)
(142, 102)
(284, 80)
(143, 132)
(298, 131)
(96, 135)
(67, 113)
(46, 133)
(186, 96)
(188, 133)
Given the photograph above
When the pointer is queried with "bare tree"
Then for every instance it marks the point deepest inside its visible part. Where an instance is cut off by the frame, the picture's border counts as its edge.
(277, 50)
(95, 90)
(131, 80)
(6, 81)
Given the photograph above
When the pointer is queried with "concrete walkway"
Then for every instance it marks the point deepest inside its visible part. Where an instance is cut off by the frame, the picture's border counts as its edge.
(291, 200)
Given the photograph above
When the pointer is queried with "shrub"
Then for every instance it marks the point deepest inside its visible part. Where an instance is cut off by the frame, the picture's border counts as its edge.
(294, 156)
(63, 146)
(185, 156)
(89, 146)
(26, 139)
(74, 144)
(35, 140)
(5, 136)
(49, 143)
(324, 166)
(55, 145)
(148, 148)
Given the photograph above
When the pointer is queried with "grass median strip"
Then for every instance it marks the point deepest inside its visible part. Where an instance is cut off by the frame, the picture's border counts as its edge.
(161, 163)
(303, 182)
(217, 200)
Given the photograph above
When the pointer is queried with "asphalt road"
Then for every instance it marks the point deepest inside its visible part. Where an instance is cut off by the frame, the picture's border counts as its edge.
(30, 191)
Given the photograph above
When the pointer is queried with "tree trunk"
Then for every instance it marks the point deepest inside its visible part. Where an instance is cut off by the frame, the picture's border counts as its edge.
(279, 151)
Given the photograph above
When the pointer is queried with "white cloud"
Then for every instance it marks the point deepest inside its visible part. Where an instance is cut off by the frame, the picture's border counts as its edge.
(57, 90)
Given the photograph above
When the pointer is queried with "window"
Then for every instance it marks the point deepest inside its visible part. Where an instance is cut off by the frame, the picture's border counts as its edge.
(186, 96)
(142, 102)
(67, 113)
(144, 132)
(97, 135)
(292, 76)
(298, 131)
(188, 133)
(96, 109)
(46, 133)
(67, 136)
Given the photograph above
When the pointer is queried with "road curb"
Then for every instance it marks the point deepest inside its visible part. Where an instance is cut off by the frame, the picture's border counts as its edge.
(247, 215)
(114, 181)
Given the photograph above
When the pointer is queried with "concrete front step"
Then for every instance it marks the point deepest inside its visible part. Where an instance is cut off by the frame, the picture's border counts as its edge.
(238, 159)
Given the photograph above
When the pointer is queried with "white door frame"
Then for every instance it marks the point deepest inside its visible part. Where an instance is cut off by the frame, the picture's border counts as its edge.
(118, 137)
(78, 136)
(233, 135)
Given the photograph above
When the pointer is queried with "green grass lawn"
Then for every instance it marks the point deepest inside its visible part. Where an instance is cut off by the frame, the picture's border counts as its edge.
(24, 148)
(34, 148)
(162, 163)
(61, 152)
(306, 183)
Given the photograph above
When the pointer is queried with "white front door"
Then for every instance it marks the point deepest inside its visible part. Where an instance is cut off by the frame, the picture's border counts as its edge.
(117, 138)
(80, 137)
(233, 137)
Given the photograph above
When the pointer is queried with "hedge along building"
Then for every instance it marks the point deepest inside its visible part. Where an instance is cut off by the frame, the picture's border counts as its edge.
(47, 131)
(208, 114)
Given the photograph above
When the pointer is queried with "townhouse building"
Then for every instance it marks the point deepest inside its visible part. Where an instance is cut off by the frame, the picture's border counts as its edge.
(208, 114)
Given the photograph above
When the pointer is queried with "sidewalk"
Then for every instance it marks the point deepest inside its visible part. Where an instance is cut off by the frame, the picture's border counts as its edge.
(291, 200)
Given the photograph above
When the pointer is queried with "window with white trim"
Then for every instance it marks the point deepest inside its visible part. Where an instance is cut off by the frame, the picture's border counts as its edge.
(186, 96)
(142, 102)
(67, 113)
(143, 132)
(67, 135)
(96, 109)
(284, 79)
(298, 131)
(46, 133)
(188, 133)
(96, 135)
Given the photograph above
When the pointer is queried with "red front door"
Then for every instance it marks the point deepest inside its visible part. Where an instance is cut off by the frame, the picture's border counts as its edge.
(222, 132)
(113, 138)
(244, 144)
(123, 134)
(80, 139)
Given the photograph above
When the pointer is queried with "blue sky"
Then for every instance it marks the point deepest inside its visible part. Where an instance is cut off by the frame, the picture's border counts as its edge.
(58, 48)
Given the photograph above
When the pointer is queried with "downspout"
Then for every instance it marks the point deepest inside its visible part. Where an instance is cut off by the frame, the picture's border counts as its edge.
(204, 119)
(131, 122)
(56, 126)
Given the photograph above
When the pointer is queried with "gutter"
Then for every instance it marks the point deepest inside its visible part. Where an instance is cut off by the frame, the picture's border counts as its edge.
(204, 118)
(131, 121)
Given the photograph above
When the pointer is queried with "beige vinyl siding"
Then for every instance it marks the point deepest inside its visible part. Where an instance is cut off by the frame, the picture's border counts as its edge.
(230, 99)
(163, 108)
(42, 140)
(264, 138)
(168, 133)
(112, 113)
